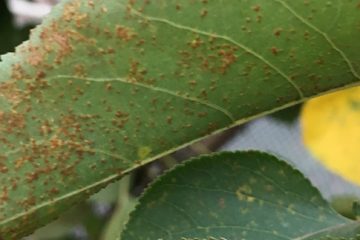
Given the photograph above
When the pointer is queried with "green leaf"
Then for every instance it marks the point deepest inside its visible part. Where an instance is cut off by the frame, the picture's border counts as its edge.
(243, 195)
(105, 86)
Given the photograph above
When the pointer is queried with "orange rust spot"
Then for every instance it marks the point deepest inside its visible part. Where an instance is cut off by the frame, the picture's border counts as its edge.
(35, 57)
(20, 162)
(124, 33)
(54, 191)
(28, 202)
(204, 13)
(108, 86)
(3, 168)
(169, 119)
(58, 41)
(56, 143)
(277, 32)
(30, 177)
(256, 8)
(40, 75)
(4, 195)
(71, 10)
(104, 9)
(228, 58)
(197, 42)
(17, 72)
(11, 92)
(91, 3)
(13, 121)
(274, 51)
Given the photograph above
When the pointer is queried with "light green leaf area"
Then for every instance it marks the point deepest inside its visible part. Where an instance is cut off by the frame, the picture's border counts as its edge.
(103, 87)
(242, 195)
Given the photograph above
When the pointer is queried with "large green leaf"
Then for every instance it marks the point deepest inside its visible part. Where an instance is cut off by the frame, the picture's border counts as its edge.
(244, 195)
(105, 86)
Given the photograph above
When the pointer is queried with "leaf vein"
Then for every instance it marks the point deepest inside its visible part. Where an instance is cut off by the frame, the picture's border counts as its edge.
(153, 88)
(228, 39)
(322, 33)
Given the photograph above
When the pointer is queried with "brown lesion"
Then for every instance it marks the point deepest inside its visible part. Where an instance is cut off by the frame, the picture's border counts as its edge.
(3, 168)
(35, 56)
(55, 40)
(4, 195)
(18, 72)
(124, 33)
(12, 122)
(11, 93)
(71, 11)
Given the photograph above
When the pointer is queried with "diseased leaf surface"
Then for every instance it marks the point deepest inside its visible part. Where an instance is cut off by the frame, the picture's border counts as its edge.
(103, 87)
(243, 195)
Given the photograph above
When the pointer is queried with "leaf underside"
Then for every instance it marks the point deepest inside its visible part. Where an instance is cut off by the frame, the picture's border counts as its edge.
(103, 87)
(243, 195)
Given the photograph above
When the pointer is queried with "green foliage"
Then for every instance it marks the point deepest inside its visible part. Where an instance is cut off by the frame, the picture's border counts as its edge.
(103, 87)
(243, 195)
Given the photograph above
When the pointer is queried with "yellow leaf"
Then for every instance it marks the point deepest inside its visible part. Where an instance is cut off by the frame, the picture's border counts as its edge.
(331, 130)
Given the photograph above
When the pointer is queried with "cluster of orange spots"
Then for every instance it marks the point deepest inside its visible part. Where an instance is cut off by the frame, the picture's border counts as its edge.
(197, 42)
(124, 33)
(17, 72)
(56, 143)
(138, 73)
(50, 36)
(3, 167)
(35, 56)
(91, 3)
(21, 161)
(45, 129)
(79, 70)
(256, 8)
(223, 55)
(28, 202)
(56, 39)
(13, 122)
(228, 57)
(121, 118)
(11, 92)
(71, 10)
(4, 196)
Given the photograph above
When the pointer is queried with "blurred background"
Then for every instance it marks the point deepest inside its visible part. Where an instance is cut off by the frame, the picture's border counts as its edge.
(101, 216)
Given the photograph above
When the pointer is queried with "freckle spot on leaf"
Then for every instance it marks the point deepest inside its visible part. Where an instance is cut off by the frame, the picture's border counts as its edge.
(144, 152)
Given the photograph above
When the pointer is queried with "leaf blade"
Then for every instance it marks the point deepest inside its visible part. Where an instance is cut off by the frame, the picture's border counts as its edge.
(99, 88)
(248, 195)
